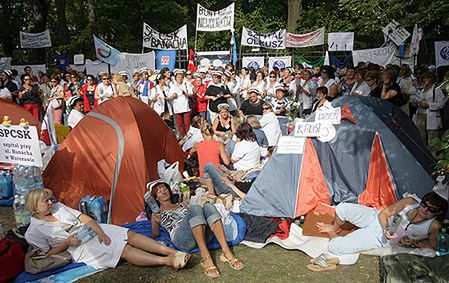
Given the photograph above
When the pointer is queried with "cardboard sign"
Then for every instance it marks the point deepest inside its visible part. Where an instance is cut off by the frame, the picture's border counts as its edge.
(78, 59)
(340, 41)
(20, 145)
(328, 115)
(395, 33)
(307, 129)
(291, 145)
(207, 20)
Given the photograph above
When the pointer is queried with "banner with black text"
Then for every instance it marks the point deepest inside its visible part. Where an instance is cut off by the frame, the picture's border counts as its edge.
(380, 56)
(176, 40)
(35, 40)
(275, 40)
(313, 38)
(207, 20)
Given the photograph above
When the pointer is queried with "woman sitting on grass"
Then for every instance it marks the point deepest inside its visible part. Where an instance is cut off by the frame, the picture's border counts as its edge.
(54, 227)
(408, 222)
(190, 228)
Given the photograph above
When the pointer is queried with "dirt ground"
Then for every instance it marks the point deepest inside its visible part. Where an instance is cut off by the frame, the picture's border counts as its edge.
(270, 264)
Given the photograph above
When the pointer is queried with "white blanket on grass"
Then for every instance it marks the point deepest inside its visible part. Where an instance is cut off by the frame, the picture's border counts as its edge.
(314, 246)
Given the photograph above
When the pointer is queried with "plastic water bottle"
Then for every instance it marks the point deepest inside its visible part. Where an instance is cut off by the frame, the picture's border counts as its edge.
(25, 214)
(443, 243)
(151, 202)
(17, 210)
(85, 234)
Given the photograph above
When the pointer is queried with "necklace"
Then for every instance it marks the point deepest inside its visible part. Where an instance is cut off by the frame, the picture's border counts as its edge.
(411, 221)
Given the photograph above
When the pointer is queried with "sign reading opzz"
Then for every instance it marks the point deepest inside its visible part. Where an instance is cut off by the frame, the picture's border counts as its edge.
(275, 40)
(173, 41)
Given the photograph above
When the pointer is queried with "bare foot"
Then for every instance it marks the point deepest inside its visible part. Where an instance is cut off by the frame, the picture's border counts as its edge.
(326, 228)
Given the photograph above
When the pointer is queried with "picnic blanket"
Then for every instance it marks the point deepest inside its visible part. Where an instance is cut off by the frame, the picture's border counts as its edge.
(6, 201)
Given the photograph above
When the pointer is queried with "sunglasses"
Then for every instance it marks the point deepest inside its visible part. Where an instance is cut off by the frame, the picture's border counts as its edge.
(432, 209)
(272, 76)
(27, 79)
(105, 79)
(266, 108)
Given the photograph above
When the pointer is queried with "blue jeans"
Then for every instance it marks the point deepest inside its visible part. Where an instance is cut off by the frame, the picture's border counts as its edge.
(183, 237)
(369, 235)
(212, 172)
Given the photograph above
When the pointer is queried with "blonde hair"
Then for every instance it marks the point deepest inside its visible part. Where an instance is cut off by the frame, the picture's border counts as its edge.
(239, 119)
(34, 196)
(207, 130)
(117, 77)
(253, 121)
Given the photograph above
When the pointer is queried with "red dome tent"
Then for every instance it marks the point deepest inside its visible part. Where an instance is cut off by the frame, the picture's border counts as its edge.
(113, 153)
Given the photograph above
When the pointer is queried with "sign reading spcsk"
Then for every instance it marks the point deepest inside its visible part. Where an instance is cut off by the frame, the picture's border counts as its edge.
(20, 146)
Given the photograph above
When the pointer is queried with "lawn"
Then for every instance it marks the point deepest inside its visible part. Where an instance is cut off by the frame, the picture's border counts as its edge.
(270, 264)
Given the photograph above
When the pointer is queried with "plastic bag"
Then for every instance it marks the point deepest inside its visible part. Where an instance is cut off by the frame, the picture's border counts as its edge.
(172, 175)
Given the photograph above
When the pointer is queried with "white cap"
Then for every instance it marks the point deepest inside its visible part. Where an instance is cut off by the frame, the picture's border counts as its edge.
(254, 89)
(217, 73)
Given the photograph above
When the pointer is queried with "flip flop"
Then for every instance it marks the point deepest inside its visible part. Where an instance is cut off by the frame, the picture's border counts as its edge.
(327, 258)
(321, 265)
(181, 260)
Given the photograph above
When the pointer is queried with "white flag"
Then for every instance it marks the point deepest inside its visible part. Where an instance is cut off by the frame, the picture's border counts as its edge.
(416, 38)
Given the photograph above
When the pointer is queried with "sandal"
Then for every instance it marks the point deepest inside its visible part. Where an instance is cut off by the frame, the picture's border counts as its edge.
(321, 265)
(181, 260)
(234, 263)
(327, 258)
(211, 271)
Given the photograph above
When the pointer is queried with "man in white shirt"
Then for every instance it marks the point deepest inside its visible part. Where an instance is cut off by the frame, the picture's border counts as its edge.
(77, 112)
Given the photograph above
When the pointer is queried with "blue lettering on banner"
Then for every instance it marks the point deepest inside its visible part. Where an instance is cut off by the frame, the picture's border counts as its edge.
(444, 53)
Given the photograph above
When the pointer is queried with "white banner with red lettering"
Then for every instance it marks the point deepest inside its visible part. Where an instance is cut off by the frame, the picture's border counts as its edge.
(313, 38)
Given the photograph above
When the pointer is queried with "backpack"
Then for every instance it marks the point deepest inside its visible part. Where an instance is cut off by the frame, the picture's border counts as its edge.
(12, 256)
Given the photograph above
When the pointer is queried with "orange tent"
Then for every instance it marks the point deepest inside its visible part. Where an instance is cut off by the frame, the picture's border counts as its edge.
(113, 153)
(16, 112)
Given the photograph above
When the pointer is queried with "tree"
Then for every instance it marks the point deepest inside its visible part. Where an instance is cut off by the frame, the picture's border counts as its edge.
(40, 15)
(63, 30)
(294, 10)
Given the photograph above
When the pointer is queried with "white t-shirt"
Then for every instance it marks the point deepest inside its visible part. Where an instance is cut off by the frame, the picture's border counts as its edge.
(74, 118)
(271, 128)
(363, 89)
(247, 153)
(307, 101)
(159, 105)
(327, 84)
(181, 103)
(104, 92)
(193, 137)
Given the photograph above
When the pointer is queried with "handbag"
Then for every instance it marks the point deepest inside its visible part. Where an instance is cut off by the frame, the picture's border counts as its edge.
(36, 261)
(55, 103)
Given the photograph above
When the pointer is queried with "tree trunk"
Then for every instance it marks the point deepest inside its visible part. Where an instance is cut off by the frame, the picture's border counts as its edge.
(294, 9)
(40, 15)
(6, 21)
(91, 15)
(63, 30)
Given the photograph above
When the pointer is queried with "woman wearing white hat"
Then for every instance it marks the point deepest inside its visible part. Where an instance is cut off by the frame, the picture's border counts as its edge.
(216, 93)
(181, 91)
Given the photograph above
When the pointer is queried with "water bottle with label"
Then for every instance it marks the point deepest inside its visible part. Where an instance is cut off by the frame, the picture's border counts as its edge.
(443, 243)
(151, 202)
(85, 234)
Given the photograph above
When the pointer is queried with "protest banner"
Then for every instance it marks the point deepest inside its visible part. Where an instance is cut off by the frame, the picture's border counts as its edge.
(96, 67)
(290, 145)
(215, 58)
(279, 62)
(77, 68)
(35, 40)
(35, 69)
(253, 62)
(307, 129)
(393, 32)
(105, 52)
(5, 63)
(78, 59)
(441, 53)
(207, 20)
(176, 40)
(381, 56)
(165, 58)
(340, 41)
(275, 40)
(132, 62)
(328, 115)
(20, 145)
(305, 40)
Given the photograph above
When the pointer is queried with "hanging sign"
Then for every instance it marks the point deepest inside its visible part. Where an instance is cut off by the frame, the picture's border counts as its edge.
(207, 20)
(275, 40)
(380, 56)
(279, 62)
(35, 40)
(176, 40)
(441, 53)
(253, 62)
(305, 40)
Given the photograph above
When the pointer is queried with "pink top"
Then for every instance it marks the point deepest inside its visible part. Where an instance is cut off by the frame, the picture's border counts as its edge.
(208, 152)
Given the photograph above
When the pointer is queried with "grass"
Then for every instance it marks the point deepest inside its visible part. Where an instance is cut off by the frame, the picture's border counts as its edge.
(270, 264)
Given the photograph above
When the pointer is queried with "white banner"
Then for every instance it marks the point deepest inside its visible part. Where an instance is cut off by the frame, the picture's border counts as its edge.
(395, 33)
(78, 68)
(307, 129)
(132, 62)
(176, 40)
(280, 62)
(441, 53)
(96, 67)
(275, 40)
(328, 115)
(381, 56)
(5, 63)
(340, 41)
(35, 69)
(254, 62)
(20, 145)
(305, 40)
(35, 40)
(290, 145)
(207, 20)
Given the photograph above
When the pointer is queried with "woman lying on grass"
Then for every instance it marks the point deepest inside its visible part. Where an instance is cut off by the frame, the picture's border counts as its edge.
(54, 226)
(190, 228)
(408, 222)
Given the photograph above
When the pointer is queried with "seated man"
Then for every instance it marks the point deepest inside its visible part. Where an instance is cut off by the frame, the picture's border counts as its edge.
(408, 222)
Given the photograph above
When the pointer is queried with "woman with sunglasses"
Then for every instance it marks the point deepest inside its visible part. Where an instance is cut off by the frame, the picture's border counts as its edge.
(327, 79)
(410, 222)
(271, 93)
(104, 90)
(57, 96)
(29, 96)
(87, 92)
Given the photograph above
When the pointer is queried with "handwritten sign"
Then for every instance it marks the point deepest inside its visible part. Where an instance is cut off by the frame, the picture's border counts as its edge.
(291, 145)
(207, 20)
(20, 145)
(35, 40)
(307, 129)
(328, 115)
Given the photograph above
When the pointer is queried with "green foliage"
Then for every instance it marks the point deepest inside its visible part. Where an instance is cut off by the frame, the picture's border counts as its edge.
(440, 146)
